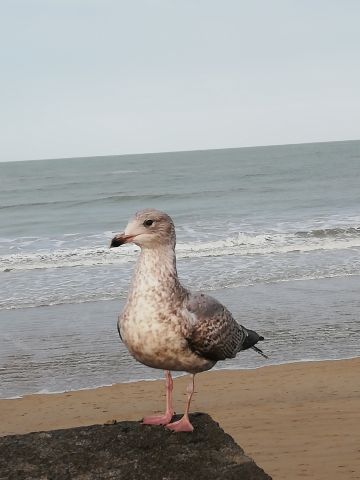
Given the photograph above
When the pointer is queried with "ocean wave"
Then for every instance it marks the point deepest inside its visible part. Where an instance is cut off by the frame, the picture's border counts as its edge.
(330, 232)
(119, 197)
(239, 245)
(64, 258)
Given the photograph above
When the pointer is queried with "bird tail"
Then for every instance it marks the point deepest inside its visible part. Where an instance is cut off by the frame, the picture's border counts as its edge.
(251, 339)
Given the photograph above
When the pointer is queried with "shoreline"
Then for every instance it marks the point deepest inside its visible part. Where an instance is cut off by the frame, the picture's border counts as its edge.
(178, 375)
(296, 420)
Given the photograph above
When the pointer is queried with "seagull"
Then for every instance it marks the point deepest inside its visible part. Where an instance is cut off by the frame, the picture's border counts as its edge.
(166, 326)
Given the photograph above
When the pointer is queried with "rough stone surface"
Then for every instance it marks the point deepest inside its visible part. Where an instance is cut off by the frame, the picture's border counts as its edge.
(127, 450)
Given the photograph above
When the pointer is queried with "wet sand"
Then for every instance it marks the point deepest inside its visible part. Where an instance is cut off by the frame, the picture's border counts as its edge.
(297, 420)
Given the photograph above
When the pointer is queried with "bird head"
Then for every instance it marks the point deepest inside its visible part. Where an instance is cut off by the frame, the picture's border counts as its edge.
(148, 229)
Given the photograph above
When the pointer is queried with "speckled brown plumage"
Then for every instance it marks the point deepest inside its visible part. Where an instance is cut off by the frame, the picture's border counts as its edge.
(164, 325)
(215, 334)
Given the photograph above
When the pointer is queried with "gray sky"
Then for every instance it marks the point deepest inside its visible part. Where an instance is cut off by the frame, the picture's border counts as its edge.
(98, 77)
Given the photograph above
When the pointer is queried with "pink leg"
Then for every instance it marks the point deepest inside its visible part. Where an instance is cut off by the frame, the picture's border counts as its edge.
(184, 425)
(166, 418)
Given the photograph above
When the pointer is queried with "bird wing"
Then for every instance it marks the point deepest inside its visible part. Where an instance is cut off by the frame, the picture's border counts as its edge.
(212, 332)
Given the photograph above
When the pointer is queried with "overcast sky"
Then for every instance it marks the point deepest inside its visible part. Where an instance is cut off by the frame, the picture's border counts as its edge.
(101, 77)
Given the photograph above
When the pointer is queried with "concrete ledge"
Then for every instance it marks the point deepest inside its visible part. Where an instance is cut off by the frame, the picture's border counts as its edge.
(127, 450)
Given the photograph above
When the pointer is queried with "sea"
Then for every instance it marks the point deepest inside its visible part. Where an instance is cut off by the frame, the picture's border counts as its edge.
(273, 232)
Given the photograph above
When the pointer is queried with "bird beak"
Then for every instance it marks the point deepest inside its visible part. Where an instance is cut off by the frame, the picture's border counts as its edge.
(120, 239)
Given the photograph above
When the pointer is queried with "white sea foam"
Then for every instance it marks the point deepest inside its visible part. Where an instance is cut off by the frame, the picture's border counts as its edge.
(239, 245)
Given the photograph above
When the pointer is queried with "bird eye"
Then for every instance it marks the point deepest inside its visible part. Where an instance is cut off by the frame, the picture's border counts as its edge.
(148, 223)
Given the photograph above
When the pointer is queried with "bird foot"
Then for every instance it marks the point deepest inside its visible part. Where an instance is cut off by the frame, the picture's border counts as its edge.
(182, 425)
(158, 419)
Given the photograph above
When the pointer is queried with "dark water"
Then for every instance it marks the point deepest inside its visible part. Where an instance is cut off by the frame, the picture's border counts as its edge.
(248, 220)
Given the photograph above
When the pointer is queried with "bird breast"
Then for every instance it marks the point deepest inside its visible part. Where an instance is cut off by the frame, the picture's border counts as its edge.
(152, 325)
(155, 336)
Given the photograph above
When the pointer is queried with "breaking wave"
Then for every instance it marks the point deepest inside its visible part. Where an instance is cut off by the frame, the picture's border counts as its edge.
(240, 244)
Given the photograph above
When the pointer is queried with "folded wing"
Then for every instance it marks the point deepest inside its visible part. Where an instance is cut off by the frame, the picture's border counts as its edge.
(212, 331)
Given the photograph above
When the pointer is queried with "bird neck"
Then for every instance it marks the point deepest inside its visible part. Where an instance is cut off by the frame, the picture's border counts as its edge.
(156, 270)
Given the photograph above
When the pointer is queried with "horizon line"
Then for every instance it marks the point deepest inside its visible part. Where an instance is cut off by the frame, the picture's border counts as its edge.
(178, 151)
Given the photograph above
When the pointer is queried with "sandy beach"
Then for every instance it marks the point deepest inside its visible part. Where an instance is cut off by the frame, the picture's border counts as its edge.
(297, 420)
